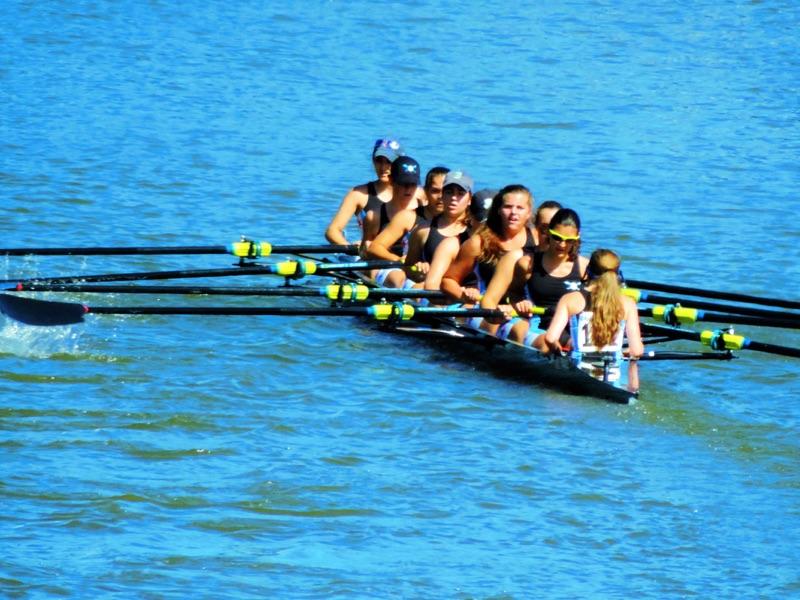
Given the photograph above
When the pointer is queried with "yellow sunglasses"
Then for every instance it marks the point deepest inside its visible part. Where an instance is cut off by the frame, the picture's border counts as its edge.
(563, 238)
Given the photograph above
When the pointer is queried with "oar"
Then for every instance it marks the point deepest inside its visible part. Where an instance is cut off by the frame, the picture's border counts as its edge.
(331, 291)
(642, 296)
(676, 289)
(681, 315)
(677, 355)
(721, 340)
(242, 249)
(47, 312)
(286, 269)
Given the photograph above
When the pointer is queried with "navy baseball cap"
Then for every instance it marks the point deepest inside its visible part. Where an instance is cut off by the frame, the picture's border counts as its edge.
(405, 171)
(481, 201)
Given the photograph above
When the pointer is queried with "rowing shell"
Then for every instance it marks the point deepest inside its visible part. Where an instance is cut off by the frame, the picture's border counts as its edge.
(605, 378)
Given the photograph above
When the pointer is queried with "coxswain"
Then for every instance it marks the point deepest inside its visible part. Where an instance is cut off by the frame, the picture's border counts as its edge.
(598, 314)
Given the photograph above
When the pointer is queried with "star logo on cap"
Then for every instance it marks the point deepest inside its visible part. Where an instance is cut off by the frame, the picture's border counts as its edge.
(410, 168)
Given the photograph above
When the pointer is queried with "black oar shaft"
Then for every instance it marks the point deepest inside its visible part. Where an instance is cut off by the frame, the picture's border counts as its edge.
(48, 312)
(697, 336)
(247, 269)
(739, 310)
(734, 297)
(284, 291)
(712, 317)
(171, 250)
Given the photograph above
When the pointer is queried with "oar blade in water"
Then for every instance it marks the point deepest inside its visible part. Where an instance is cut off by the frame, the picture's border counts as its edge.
(41, 312)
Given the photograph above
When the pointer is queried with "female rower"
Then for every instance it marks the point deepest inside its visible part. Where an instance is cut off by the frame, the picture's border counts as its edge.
(394, 236)
(399, 209)
(507, 228)
(541, 221)
(452, 224)
(368, 196)
(603, 313)
(546, 276)
(433, 204)
(447, 249)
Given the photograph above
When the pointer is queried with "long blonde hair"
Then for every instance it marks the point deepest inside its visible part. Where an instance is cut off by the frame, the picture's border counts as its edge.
(607, 308)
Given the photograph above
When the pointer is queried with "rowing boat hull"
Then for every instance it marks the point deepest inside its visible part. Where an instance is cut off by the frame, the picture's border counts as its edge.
(509, 358)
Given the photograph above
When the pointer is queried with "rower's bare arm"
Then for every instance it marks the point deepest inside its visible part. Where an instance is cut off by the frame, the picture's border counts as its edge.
(632, 330)
(392, 234)
(445, 254)
(501, 280)
(353, 201)
(416, 268)
(565, 307)
(371, 224)
(459, 269)
(583, 264)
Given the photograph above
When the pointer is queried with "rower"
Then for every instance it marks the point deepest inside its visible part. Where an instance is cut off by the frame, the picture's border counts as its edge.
(392, 220)
(452, 226)
(392, 243)
(546, 276)
(368, 196)
(599, 314)
(541, 221)
(432, 203)
(507, 228)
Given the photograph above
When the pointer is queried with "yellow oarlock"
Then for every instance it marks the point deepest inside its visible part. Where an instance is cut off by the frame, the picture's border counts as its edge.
(632, 293)
(730, 341)
(346, 292)
(292, 268)
(670, 314)
(249, 249)
(399, 311)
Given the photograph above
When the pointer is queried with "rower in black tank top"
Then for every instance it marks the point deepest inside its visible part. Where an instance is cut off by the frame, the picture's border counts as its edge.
(435, 238)
(373, 203)
(485, 271)
(546, 290)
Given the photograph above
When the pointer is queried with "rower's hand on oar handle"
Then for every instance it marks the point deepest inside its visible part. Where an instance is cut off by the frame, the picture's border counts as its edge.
(419, 268)
(525, 308)
(507, 313)
(471, 295)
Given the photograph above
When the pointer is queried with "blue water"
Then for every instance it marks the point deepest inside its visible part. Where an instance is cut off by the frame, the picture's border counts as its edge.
(254, 457)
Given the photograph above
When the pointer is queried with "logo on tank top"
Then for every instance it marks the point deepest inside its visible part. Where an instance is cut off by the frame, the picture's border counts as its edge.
(572, 286)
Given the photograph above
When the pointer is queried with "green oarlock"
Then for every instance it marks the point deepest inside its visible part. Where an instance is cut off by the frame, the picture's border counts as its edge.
(398, 310)
(346, 292)
(248, 249)
(730, 341)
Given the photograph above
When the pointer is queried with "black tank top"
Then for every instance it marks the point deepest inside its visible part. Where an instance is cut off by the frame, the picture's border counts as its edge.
(373, 203)
(546, 290)
(485, 271)
(435, 238)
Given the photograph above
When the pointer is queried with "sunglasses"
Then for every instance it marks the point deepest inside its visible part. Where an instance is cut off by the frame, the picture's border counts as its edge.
(554, 235)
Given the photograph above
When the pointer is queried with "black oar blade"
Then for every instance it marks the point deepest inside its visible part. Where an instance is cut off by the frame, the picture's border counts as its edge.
(41, 312)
